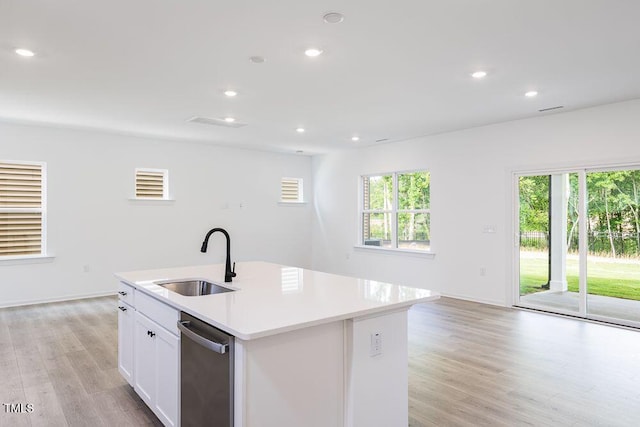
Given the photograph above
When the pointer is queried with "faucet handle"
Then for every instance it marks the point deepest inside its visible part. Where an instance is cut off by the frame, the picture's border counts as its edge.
(233, 270)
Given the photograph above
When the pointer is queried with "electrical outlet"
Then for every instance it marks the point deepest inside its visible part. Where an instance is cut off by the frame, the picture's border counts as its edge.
(483, 271)
(489, 229)
(376, 344)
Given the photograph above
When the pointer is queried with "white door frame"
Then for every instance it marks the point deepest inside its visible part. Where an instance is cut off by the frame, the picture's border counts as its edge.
(582, 172)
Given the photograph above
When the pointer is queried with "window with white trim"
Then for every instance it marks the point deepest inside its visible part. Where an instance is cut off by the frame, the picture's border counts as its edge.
(22, 209)
(152, 184)
(395, 210)
(291, 190)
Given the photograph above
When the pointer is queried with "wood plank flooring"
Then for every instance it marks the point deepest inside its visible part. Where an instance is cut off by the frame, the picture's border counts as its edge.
(62, 359)
(470, 365)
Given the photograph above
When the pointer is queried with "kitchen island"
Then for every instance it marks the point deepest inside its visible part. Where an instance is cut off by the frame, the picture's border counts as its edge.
(311, 348)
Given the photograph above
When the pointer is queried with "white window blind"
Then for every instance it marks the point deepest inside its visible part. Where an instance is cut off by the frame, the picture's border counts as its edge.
(291, 190)
(151, 184)
(21, 209)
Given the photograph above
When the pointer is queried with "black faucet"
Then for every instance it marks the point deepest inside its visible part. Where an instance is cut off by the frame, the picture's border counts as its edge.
(229, 273)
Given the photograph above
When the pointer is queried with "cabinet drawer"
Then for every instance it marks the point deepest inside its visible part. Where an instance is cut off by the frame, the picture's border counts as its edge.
(161, 313)
(126, 293)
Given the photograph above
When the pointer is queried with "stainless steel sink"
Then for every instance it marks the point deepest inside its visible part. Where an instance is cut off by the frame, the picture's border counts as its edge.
(192, 288)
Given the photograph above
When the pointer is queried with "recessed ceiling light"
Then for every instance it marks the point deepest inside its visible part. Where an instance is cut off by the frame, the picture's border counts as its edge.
(229, 119)
(300, 130)
(257, 59)
(355, 138)
(230, 93)
(479, 74)
(333, 18)
(531, 94)
(313, 52)
(25, 52)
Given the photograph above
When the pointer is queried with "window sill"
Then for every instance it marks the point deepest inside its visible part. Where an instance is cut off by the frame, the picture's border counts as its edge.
(27, 259)
(152, 202)
(398, 252)
(292, 203)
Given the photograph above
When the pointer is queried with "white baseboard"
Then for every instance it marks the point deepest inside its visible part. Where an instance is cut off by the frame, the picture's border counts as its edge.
(478, 300)
(49, 300)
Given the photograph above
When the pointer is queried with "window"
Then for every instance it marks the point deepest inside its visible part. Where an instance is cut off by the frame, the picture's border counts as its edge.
(22, 212)
(152, 184)
(395, 210)
(291, 190)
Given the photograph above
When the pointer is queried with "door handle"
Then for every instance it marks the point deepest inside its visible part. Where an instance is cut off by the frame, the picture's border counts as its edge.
(122, 308)
(217, 347)
(123, 293)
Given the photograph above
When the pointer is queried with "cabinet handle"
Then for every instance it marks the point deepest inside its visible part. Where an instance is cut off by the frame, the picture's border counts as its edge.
(123, 293)
(122, 308)
(151, 334)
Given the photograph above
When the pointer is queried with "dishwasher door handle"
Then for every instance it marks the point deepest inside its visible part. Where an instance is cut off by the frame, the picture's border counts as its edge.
(220, 348)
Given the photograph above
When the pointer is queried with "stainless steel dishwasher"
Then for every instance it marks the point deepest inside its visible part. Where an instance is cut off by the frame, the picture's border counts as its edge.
(206, 369)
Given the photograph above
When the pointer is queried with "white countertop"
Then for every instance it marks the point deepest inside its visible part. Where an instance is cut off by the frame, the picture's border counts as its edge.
(272, 299)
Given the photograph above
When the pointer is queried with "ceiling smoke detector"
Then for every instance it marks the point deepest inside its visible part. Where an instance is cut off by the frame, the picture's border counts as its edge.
(215, 122)
(333, 18)
(257, 59)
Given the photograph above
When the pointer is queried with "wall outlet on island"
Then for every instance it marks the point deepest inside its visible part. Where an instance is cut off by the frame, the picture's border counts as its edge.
(376, 344)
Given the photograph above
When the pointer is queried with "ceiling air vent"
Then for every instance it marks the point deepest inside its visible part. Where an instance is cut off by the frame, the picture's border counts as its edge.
(551, 108)
(216, 122)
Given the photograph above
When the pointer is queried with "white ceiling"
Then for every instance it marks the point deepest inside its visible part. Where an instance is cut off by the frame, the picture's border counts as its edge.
(393, 69)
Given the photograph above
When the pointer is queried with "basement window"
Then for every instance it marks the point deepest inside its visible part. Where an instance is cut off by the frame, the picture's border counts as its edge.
(291, 190)
(152, 184)
(22, 209)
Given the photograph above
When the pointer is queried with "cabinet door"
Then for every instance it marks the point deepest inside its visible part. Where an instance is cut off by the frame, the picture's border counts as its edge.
(145, 332)
(168, 384)
(125, 340)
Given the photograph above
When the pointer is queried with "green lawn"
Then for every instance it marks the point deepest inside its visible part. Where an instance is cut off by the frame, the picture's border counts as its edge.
(605, 277)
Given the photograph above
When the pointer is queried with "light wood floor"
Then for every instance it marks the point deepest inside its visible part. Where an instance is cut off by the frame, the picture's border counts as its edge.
(470, 365)
(62, 358)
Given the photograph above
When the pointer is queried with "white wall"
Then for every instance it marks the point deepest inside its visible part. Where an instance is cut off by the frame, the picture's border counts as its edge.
(92, 223)
(471, 188)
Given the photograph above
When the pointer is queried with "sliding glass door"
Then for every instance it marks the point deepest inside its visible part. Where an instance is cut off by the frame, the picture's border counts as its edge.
(578, 244)
(613, 272)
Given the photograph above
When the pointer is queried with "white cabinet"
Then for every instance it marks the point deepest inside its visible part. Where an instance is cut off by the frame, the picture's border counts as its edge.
(126, 310)
(126, 314)
(149, 352)
(157, 367)
(157, 357)
(167, 377)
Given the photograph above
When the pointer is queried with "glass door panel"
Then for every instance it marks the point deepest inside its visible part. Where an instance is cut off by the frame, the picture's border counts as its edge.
(548, 255)
(613, 267)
